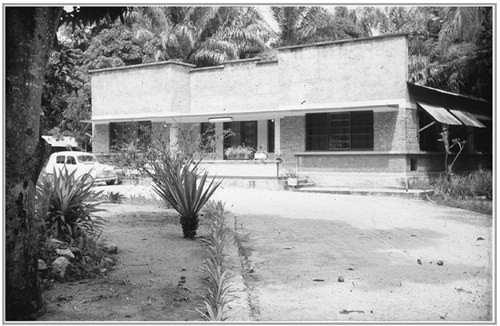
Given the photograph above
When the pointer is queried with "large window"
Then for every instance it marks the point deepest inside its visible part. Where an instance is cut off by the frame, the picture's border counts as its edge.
(121, 133)
(244, 133)
(339, 131)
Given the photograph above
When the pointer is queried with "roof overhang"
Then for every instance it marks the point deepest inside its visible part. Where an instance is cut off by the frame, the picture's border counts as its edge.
(282, 111)
(451, 117)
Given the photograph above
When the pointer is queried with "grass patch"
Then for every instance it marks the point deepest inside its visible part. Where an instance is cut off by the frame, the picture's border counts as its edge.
(479, 205)
(146, 200)
(471, 191)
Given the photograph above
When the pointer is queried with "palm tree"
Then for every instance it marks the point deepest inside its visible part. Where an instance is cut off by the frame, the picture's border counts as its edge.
(463, 60)
(299, 25)
(200, 35)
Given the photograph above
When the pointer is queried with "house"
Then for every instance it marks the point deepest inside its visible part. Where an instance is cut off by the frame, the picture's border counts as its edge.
(339, 113)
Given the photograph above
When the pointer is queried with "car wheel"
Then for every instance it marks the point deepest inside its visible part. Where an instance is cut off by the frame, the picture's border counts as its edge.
(110, 182)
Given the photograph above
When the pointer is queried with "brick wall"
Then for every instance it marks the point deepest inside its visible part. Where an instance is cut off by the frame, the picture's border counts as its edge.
(389, 131)
(293, 139)
(101, 138)
(411, 121)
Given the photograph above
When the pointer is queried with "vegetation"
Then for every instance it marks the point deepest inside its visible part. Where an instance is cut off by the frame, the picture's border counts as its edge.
(216, 274)
(114, 197)
(174, 170)
(477, 184)
(68, 205)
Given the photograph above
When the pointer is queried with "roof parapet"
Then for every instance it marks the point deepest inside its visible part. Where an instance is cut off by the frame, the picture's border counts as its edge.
(296, 47)
(144, 65)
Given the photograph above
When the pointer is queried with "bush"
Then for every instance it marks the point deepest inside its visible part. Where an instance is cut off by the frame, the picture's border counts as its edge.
(68, 205)
(185, 189)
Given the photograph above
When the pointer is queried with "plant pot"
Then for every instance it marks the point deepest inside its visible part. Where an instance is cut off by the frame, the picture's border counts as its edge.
(292, 181)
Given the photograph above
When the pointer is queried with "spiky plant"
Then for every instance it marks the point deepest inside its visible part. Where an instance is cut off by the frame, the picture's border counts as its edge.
(217, 280)
(73, 205)
(186, 189)
(114, 197)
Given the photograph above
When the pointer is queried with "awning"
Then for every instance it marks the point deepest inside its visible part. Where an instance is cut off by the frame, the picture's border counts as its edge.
(440, 114)
(467, 118)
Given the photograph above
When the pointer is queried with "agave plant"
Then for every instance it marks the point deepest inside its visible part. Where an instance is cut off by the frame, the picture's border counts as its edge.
(114, 197)
(185, 189)
(217, 279)
(73, 205)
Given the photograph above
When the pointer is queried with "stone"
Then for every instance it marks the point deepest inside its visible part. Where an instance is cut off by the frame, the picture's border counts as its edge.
(341, 279)
(66, 253)
(42, 266)
(110, 248)
(60, 266)
(53, 243)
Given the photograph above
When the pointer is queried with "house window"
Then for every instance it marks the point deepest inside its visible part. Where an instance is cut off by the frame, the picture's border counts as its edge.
(270, 136)
(339, 131)
(244, 133)
(207, 133)
(121, 133)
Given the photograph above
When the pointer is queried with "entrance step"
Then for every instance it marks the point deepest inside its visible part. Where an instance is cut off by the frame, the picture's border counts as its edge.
(367, 191)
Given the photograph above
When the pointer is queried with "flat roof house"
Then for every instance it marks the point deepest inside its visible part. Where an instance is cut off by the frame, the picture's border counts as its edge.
(339, 113)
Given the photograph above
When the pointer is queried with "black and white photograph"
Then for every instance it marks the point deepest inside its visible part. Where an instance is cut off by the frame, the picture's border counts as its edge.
(292, 163)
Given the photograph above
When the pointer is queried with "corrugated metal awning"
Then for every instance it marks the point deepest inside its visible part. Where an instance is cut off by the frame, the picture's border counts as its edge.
(467, 118)
(440, 114)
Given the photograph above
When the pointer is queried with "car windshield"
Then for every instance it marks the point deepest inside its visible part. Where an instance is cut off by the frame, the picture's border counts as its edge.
(87, 159)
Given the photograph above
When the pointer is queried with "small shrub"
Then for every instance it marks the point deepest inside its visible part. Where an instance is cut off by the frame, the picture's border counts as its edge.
(114, 197)
(185, 189)
(72, 205)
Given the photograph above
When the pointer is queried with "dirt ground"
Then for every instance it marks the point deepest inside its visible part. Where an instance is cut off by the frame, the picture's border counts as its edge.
(385, 249)
(157, 276)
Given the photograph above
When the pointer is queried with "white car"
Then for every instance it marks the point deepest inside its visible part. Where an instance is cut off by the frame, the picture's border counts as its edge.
(83, 163)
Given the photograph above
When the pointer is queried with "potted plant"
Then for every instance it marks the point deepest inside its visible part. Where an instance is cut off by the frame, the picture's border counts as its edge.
(292, 178)
(239, 153)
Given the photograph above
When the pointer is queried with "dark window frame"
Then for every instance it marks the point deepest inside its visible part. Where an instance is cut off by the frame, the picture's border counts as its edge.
(244, 133)
(340, 131)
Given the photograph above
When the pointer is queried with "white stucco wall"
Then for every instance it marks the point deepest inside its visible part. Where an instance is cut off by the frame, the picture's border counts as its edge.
(363, 70)
(235, 87)
(339, 72)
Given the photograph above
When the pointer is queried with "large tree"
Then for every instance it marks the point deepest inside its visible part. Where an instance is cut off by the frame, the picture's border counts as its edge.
(29, 36)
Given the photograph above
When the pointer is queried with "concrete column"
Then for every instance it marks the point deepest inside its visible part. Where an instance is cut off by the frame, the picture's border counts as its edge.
(277, 135)
(262, 135)
(219, 146)
(174, 136)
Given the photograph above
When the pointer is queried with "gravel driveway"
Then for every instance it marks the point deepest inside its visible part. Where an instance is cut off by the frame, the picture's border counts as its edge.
(387, 250)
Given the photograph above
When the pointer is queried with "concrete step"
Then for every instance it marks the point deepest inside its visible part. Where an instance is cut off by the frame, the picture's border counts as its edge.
(367, 191)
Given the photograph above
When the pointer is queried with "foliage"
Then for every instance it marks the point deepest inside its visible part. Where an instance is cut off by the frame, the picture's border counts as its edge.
(217, 280)
(308, 24)
(179, 183)
(199, 35)
(466, 186)
(114, 197)
(174, 170)
(239, 152)
(72, 205)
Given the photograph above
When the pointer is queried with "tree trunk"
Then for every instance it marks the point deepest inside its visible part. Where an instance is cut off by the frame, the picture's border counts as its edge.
(29, 36)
